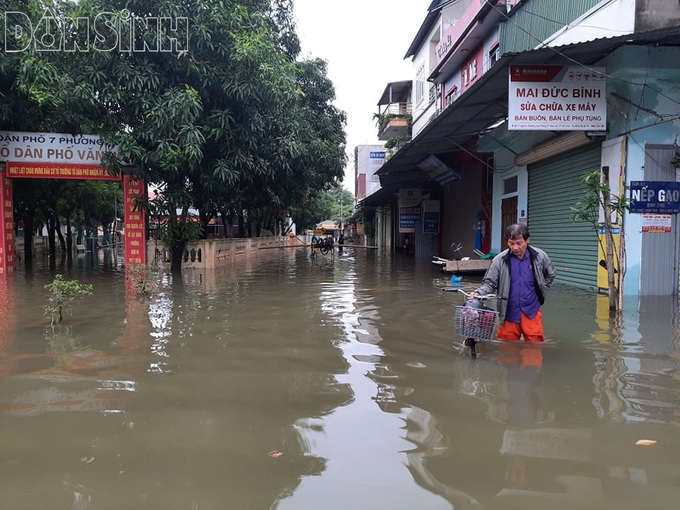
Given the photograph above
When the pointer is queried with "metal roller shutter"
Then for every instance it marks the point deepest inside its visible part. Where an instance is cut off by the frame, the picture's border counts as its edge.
(554, 187)
(659, 263)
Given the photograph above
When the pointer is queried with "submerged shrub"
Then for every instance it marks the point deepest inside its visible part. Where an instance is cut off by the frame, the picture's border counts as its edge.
(62, 295)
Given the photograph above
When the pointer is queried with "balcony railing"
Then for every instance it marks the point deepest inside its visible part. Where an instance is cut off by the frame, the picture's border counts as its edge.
(397, 109)
(391, 112)
(391, 125)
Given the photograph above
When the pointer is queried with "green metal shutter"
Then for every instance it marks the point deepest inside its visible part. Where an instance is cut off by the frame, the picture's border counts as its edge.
(554, 187)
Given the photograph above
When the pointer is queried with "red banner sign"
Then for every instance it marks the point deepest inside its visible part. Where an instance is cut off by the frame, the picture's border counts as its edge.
(58, 171)
(135, 231)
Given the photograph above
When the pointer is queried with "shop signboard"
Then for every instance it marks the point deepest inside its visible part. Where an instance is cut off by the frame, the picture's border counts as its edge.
(557, 98)
(410, 209)
(661, 197)
(431, 217)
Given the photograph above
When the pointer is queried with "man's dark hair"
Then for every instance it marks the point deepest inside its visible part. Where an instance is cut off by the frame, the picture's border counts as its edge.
(517, 230)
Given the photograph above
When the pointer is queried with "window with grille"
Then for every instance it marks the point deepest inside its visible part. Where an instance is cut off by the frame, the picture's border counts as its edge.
(494, 55)
(420, 84)
(510, 185)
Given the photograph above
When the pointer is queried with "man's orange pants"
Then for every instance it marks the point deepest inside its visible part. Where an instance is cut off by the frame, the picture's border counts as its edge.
(532, 329)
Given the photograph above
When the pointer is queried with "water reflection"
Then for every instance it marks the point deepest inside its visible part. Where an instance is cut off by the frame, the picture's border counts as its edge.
(292, 383)
(638, 375)
(363, 444)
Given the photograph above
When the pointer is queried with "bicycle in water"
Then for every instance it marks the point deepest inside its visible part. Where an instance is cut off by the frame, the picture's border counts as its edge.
(475, 321)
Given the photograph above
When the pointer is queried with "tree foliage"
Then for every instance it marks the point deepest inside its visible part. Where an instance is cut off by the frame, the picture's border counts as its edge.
(229, 123)
(335, 203)
(63, 294)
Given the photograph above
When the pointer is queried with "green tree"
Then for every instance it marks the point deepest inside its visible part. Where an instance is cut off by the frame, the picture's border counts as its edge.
(220, 119)
(74, 204)
(232, 123)
(598, 199)
(335, 204)
(38, 94)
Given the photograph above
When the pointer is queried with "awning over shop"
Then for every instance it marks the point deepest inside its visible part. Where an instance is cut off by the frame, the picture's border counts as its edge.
(485, 105)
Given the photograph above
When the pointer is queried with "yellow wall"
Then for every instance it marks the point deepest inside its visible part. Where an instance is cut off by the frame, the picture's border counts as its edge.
(602, 257)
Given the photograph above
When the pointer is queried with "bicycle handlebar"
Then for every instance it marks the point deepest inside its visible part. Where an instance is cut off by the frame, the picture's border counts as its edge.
(468, 294)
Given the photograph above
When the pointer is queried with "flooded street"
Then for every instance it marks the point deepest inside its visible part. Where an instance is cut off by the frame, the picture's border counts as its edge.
(337, 383)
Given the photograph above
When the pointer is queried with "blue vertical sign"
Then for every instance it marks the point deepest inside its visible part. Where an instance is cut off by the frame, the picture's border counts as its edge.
(431, 217)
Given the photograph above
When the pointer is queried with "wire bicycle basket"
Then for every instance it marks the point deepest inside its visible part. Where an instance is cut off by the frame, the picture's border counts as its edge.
(477, 323)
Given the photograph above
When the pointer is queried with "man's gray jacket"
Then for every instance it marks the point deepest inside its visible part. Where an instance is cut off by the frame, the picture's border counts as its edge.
(497, 277)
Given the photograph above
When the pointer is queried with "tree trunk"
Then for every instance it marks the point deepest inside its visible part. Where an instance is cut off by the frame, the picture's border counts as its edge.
(225, 220)
(609, 244)
(177, 255)
(57, 230)
(250, 224)
(232, 219)
(51, 243)
(205, 223)
(241, 223)
(228, 219)
(69, 240)
(28, 243)
(106, 234)
(622, 266)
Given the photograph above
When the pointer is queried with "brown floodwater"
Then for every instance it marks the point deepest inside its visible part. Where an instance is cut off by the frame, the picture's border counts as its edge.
(337, 383)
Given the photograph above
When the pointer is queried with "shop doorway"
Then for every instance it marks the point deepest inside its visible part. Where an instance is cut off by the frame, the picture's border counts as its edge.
(508, 216)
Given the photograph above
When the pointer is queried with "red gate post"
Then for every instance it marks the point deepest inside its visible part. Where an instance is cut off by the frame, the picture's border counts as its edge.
(135, 224)
(6, 227)
(7, 328)
(7, 317)
(137, 335)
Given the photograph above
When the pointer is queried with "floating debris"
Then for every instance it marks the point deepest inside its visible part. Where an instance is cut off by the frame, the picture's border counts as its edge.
(416, 364)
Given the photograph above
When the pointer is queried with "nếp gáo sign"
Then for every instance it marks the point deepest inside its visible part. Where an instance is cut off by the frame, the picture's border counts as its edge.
(654, 197)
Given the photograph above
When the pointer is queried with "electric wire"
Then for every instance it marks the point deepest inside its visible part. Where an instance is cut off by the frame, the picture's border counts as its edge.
(663, 118)
(570, 59)
(569, 25)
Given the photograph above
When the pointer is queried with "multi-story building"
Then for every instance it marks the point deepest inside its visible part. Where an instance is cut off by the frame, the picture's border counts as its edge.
(514, 101)
(369, 159)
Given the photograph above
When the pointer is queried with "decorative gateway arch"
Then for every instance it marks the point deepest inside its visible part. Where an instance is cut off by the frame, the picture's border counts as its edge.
(62, 156)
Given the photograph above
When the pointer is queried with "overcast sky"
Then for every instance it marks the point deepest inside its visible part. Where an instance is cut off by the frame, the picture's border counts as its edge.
(364, 42)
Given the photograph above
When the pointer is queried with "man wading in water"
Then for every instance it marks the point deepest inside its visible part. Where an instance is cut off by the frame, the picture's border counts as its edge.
(521, 277)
